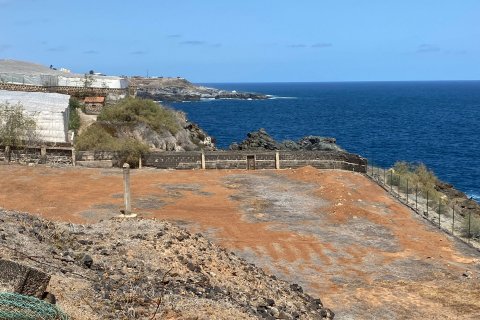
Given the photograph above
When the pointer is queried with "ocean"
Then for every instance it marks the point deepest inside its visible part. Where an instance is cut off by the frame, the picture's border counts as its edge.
(435, 123)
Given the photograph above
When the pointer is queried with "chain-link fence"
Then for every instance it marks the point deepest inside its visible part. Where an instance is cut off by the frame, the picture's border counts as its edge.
(430, 204)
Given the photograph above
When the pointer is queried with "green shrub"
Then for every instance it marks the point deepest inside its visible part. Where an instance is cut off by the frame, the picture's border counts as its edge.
(16, 127)
(132, 110)
(74, 118)
(98, 137)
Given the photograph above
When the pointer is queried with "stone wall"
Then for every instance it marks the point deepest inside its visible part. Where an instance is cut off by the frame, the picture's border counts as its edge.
(73, 91)
(261, 160)
(39, 155)
(174, 160)
(195, 159)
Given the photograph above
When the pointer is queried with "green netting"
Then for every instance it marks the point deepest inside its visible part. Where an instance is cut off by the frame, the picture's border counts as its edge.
(20, 307)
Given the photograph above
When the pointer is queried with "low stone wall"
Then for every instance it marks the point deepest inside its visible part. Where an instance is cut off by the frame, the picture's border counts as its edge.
(39, 155)
(258, 160)
(174, 160)
(194, 159)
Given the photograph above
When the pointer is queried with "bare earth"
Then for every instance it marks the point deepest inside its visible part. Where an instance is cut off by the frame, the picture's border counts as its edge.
(336, 233)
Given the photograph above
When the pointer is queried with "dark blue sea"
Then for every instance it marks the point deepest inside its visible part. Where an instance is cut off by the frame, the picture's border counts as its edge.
(436, 123)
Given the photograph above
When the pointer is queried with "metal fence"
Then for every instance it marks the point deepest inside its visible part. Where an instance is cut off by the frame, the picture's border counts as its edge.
(430, 205)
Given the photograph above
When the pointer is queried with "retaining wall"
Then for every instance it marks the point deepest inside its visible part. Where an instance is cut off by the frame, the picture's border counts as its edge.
(194, 159)
(39, 155)
(73, 91)
(258, 160)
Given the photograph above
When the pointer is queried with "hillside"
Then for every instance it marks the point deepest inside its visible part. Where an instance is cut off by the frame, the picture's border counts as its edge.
(139, 264)
(337, 234)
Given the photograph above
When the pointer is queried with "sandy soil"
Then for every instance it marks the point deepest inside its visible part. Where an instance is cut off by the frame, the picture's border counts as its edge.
(336, 233)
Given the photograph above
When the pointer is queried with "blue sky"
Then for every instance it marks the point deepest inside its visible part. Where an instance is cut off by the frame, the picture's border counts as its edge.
(249, 40)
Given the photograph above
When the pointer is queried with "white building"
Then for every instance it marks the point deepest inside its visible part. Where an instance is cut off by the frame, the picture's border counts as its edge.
(50, 111)
(27, 73)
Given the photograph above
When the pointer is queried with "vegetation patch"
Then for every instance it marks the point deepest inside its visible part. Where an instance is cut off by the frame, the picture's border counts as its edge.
(17, 129)
(418, 177)
(132, 111)
(74, 117)
(109, 134)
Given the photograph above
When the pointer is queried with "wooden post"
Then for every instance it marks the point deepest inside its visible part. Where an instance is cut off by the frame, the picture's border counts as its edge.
(277, 160)
(140, 162)
(203, 161)
(126, 184)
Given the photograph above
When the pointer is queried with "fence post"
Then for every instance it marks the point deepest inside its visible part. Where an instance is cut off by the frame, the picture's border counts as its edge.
(384, 177)
(7, 154)
(416, 197)
(453, 220)
(398, 188)
(391, 181)
(439, 211)
(126, 184)
(427, 203)
(407, 190)
(202, 161)
(74, 157)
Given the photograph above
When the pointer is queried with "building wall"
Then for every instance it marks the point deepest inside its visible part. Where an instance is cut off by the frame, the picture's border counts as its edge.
(96, 82)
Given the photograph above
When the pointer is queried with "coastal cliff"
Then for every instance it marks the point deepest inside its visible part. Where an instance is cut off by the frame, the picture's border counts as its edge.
(180, 89)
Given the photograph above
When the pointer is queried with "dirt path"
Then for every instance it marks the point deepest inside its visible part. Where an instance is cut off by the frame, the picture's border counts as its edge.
(336, 233)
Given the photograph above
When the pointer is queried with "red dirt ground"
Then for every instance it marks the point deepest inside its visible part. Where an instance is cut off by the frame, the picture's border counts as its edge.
(346, 240)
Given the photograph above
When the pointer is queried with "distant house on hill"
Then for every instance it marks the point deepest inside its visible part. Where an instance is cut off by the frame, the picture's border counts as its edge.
(50, 111)
(94, 105)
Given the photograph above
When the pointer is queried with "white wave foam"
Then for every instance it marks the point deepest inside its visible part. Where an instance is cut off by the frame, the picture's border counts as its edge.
(277, 97)
(474, 196)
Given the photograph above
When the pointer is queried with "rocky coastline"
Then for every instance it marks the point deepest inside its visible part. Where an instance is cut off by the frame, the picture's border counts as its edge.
(180, 89)
(261, 140)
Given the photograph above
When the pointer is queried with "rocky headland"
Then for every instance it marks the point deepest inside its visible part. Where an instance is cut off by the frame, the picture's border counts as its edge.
(261, 140)
(180, 89)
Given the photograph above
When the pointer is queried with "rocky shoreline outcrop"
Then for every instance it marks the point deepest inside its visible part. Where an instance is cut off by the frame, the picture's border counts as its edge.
(148, 269)
(179, 89)
(261, 140)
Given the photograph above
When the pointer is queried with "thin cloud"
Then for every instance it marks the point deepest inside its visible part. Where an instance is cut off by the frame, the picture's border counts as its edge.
(57, 49)
(297, 45)
(4, 47)
(138, 52)
(456, 52)
(193, 43)
(174, 36)
(427, 48)
(321, 45)
(216, 45)
(91, 52)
